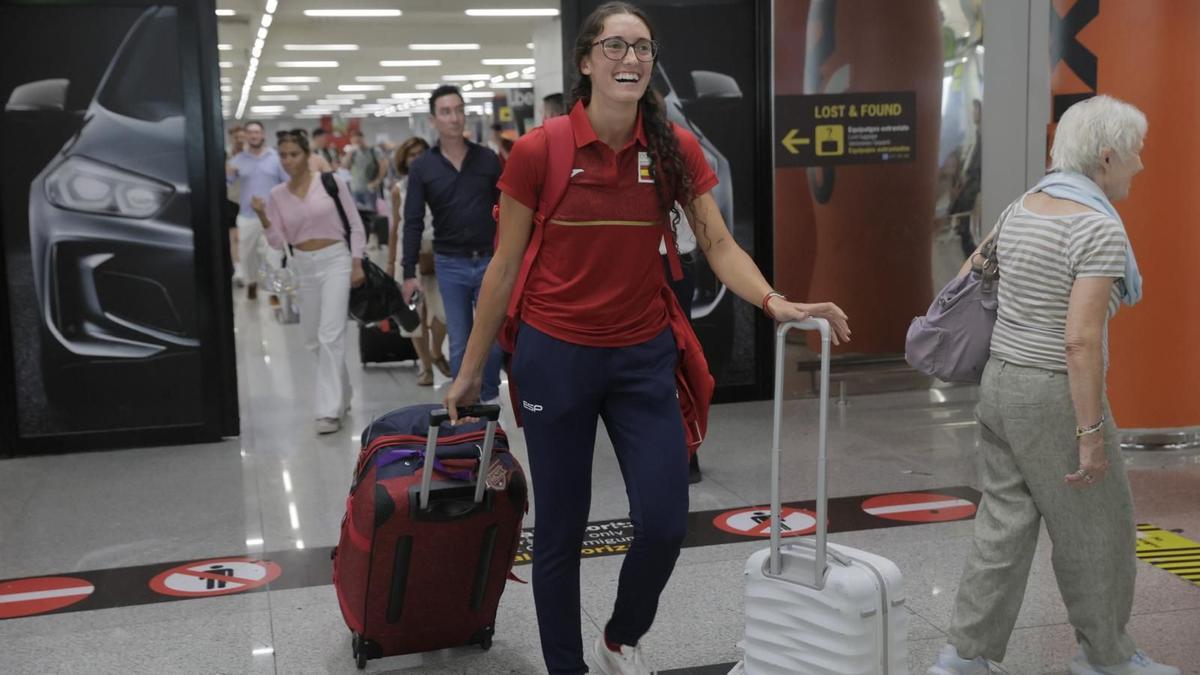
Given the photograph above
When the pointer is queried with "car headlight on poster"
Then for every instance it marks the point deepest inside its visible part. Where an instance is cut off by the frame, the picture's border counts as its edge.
(81, 184)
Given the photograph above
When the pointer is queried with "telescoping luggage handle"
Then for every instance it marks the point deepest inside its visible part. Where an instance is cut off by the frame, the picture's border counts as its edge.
(822, 501)
(489, 412)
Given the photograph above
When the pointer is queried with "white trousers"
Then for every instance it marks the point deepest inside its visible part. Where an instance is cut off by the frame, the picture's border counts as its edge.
(324, 280)
(252, 245)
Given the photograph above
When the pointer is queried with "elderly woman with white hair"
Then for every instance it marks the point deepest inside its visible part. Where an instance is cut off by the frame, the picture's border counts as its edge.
(1050, 449)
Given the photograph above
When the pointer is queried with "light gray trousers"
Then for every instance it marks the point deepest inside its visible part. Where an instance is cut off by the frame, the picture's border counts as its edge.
(1028, 426)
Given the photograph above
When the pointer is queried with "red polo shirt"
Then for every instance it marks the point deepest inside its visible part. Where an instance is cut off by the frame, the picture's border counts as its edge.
(598, 277)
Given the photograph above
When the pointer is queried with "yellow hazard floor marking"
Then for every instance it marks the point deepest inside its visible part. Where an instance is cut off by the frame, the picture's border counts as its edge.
(1169, 551)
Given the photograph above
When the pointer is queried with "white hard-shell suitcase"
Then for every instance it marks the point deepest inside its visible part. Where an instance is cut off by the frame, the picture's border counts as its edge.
(814, 608)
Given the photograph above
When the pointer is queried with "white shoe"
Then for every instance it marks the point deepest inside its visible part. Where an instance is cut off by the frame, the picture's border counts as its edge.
(950, 663)
(328, 425)
(628, 661)
(1140, 664)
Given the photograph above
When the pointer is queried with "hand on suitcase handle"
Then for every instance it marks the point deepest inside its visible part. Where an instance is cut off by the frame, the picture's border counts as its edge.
(785, 311)
(487, 412)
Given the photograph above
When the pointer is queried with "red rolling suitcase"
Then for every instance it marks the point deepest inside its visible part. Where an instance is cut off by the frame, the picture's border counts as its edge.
(424, 555)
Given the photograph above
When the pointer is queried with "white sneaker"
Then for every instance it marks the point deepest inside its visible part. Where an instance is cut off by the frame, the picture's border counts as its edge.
(1140, 664)
(628, 661)
(328, 425)
(950, 663)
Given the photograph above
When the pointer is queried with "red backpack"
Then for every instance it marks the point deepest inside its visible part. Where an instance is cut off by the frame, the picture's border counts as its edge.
(693, 381)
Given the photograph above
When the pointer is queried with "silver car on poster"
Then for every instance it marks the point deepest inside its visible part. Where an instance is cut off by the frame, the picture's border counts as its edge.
(111, 235)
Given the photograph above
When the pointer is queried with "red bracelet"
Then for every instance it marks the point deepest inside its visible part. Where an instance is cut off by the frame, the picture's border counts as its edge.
(766, 298)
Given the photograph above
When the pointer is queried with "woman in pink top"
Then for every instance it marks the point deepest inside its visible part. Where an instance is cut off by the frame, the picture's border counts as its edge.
(302, 214)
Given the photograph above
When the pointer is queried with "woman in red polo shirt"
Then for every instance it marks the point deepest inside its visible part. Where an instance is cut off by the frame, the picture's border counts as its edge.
(594, 341)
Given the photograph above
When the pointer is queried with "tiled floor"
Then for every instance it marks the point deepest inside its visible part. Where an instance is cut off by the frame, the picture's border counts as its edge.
(280, 487)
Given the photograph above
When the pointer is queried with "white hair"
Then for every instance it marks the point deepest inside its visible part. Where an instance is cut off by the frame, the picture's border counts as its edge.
(1092, 126)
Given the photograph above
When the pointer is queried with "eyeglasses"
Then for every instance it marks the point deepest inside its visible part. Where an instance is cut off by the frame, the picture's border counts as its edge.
(616, 48)
(293, 132)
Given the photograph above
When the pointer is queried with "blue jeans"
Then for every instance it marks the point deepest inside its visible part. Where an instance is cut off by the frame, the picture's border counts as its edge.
(564, 389)
(459, 279)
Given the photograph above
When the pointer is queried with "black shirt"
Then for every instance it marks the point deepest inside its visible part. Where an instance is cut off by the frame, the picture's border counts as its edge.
(461, 202)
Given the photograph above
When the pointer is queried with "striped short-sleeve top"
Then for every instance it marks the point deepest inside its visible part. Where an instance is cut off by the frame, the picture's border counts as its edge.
(1040, 258)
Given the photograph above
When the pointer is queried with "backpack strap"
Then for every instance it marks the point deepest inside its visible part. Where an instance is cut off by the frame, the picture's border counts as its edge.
(331, 187)
(560, 155)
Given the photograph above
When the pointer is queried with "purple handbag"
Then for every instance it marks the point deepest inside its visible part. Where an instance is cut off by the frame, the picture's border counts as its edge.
(952, 342)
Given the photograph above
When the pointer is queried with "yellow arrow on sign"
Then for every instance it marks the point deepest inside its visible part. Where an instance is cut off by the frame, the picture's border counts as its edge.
(791, 141)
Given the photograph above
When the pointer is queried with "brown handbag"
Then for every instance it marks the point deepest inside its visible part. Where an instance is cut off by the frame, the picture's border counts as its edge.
(425, 263)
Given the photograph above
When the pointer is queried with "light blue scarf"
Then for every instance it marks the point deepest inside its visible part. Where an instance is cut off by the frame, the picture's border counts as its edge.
(1079, 188)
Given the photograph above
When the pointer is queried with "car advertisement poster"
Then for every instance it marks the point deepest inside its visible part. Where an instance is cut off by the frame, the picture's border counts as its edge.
(98, 222)
(713, 94)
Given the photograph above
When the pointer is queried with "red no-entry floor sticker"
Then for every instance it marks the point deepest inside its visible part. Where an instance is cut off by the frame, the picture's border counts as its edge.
(26, 597)
(919, 507)
(223, 576)
(756, 522)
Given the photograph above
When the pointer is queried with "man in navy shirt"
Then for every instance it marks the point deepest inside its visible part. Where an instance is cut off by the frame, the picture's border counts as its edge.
(457, 179)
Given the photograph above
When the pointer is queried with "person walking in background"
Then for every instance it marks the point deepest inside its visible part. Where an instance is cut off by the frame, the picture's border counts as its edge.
(367, 167)
(1051, 448)
(457, 180)
(302, 215)
(256, 169)
(231, 206)
(431, 334)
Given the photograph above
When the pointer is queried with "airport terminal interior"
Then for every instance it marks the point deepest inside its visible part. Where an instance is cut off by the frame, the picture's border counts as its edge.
(124, 551)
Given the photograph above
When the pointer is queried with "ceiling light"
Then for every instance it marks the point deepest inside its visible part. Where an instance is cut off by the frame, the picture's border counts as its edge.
(468, 87)
(346, 97)
(256, 52)
(411, 63)
(427, 87)
(226, 64)
(479, 94)
(226, 80)
(465, 78)
(480, 83)
(529, 45)
(307, 64)
(227, 87)
(498, 78)
(510, 85)
(278, 97)
(352, 13)
(292, 80)
(262, 33)
(225, 12)
(528, 69)
(224, 48)
(361, 87)
(321, 48)
(409, 94)
(513, 75)
(284, 87)
(267, 108)
(271, 6)
(266, 20)
(260, 42)
(450, 46)
(512, 12)
(333, 102)
(528, 76)
(381, 78)
(508, 62)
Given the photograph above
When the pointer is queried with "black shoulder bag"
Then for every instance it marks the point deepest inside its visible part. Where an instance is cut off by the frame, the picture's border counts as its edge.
(378, 297)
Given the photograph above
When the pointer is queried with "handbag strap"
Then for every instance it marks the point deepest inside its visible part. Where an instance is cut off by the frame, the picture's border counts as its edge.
(331, 188)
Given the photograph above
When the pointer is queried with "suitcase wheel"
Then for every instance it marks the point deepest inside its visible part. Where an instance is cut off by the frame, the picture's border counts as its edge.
(360, 654)
(484, 638)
